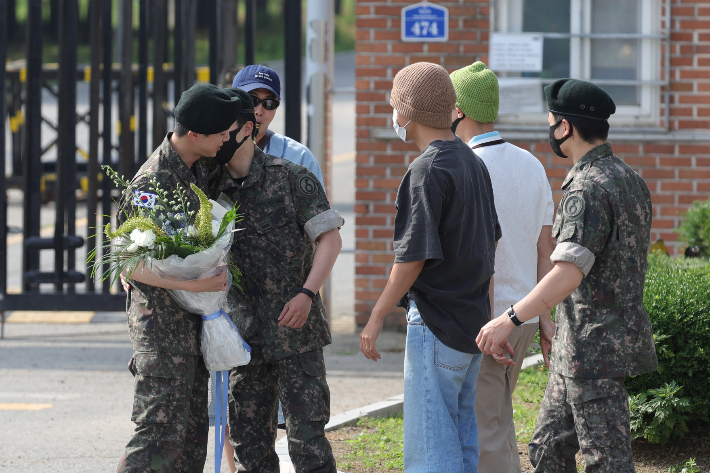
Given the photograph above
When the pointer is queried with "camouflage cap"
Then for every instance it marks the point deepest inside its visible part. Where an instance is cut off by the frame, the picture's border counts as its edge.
(579, 98)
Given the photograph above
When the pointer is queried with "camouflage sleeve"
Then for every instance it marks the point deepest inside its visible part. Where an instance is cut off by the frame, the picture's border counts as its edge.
(582, 228)
(313, 210)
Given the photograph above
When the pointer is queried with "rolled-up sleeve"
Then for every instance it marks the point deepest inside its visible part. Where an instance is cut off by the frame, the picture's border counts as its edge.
(322, 223)
(574, 253)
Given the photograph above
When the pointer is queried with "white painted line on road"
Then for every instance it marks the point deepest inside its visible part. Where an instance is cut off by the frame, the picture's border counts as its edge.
(45, 317)
(14, 406)
(52, 396)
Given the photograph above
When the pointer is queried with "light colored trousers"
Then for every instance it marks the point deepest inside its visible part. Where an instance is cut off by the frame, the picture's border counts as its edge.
(498, 446)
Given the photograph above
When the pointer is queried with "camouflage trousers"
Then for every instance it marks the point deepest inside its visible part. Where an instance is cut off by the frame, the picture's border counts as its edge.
(591, 414)
(170, 413)
(254, 394)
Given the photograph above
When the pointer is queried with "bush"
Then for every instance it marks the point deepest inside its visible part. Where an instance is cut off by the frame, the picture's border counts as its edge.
(677, 300)
(659, 415)
(695, 230)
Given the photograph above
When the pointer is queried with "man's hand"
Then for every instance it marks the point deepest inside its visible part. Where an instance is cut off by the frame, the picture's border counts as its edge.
(124, 282)
(368, 338)
(547, 331)
(493, 337)
(295, 312)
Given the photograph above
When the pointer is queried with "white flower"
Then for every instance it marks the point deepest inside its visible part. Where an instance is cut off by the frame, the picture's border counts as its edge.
(145, 239)
(215, 227)
(135, 234)
(132, 248)
(192, 231)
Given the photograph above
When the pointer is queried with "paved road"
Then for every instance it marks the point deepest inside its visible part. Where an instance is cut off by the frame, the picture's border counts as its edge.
(65, 392)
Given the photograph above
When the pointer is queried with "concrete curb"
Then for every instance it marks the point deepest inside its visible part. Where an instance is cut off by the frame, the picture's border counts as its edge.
(391, 406)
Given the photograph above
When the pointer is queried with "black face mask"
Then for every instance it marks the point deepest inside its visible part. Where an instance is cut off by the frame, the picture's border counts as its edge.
(555, 143)
(228, 148)
(456, 123)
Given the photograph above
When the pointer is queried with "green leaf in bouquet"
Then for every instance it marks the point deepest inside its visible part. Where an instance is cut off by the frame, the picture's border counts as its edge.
(236, 276)
(165, 249)
(141, 223)
(229, 217)
(203, 220)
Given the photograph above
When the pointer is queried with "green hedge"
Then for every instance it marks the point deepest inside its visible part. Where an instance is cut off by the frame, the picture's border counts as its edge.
(677, 299)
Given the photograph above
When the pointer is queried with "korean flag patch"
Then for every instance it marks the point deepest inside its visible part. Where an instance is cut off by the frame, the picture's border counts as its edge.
(144, 199)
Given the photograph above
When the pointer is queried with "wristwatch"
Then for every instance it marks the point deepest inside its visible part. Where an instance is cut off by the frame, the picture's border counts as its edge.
(307, 292)
(513, 317)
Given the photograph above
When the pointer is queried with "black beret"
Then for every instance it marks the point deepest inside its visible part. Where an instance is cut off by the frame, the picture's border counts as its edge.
(244, 97)
(207, 109)
(579, 98)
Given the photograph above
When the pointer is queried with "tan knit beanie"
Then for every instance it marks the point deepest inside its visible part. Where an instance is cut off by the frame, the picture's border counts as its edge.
(423, 93)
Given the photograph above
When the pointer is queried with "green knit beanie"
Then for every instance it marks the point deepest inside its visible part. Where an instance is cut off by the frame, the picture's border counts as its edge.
(476, 92)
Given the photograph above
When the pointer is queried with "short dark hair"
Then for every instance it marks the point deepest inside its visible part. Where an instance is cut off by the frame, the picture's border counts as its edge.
(179, 130)
(242, 118)
(588, 129)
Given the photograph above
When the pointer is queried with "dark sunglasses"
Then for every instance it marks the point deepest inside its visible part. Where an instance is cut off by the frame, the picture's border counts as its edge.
(269, 104)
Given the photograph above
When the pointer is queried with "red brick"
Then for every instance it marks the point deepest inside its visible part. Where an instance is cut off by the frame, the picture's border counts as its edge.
(663, 223)
(381, 233)
(704, 62)
(386, 109)
(371, 72)
(672, 211)
(463, 35)
(362, 60)
(668, 236)
(362, 134)
(702, 87)
(638, 160)
(386, 183)
(370, 196)
(676, 61)
(472, 23)
(703, 11)
(694, 149)
(370, 245)
(686, 49)
(390, 60)
(703, 112)
(463, 11)
(362, 35)
(362, 10)
(384, 208)
(660, 149)
(384, 85)
(695, 98)
(371, 22)
(443, 48)
(681, 86)
(662, 199)
(362, 84)
(702, 162)
(362, 233)
(362, 183)
(362, 158)
(388, 35)
(556, 172)
(703, 37)
(675, 162)
(367, 295)
(693, 174)
(371, 97)
(362, 258)
(681, 112)
(367, 47)
(689, 199)
(625, 148)
(658, 173)
(379, 258)
(361, 108)
(694, 124)
(407, 47)
(691, 25)
(370, 270)
(371, 121)
(371, 171)
(703, 186)
(682, 11)
(402, 146)
(469, 48)
(389, 159)
(676, 186)
(393, 11)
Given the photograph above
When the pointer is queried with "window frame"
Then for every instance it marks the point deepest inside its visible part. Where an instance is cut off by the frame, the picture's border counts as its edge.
(507, 17)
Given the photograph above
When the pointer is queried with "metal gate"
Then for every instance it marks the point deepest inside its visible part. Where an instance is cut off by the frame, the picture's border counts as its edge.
(62, 284)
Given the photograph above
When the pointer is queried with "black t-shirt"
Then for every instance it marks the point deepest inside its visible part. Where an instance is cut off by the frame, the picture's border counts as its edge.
(446, 216)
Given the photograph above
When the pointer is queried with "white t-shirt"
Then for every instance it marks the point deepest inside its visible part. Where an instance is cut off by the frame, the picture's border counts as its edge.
(523, 200)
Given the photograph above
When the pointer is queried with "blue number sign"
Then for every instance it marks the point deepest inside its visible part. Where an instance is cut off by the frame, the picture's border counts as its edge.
(425, 22)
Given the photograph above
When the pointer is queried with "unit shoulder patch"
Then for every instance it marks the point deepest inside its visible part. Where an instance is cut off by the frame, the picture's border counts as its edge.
(573, 207)
(307, 185)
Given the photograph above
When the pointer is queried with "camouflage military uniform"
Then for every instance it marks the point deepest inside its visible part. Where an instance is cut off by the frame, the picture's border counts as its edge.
(603, 333)
(170, 403)
(285, 210)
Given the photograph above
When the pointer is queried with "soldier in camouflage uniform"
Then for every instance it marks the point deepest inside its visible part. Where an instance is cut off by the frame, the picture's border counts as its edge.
(287, 248)
(170, 403)
(603, 334)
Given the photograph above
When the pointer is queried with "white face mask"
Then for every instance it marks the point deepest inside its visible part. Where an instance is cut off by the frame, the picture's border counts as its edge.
(400, 130)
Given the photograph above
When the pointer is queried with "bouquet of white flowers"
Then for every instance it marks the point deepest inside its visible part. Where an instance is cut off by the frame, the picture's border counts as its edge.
(180, 244)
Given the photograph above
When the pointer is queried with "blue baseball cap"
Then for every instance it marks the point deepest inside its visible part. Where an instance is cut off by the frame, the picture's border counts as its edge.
(258, 77)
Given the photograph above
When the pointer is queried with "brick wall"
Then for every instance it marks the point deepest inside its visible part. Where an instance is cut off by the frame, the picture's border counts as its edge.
(675, 167)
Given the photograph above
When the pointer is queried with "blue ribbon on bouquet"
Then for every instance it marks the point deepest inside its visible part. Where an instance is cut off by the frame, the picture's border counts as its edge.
(221, 397)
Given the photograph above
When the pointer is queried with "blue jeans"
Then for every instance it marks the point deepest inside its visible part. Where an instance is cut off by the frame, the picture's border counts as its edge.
(440, 431)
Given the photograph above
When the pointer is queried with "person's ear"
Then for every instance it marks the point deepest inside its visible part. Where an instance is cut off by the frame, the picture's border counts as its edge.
(192, 135)
(459, 113)
(568, 128)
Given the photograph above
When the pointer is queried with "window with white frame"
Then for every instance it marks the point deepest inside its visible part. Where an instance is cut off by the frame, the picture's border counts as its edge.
(613, 43)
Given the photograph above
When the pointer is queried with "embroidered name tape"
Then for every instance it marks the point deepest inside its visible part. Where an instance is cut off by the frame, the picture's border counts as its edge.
(144, 199)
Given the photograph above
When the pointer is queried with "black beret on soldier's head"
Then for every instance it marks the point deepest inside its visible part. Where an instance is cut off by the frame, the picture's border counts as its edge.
(244, 97)
(207, 109)
(579, 98)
